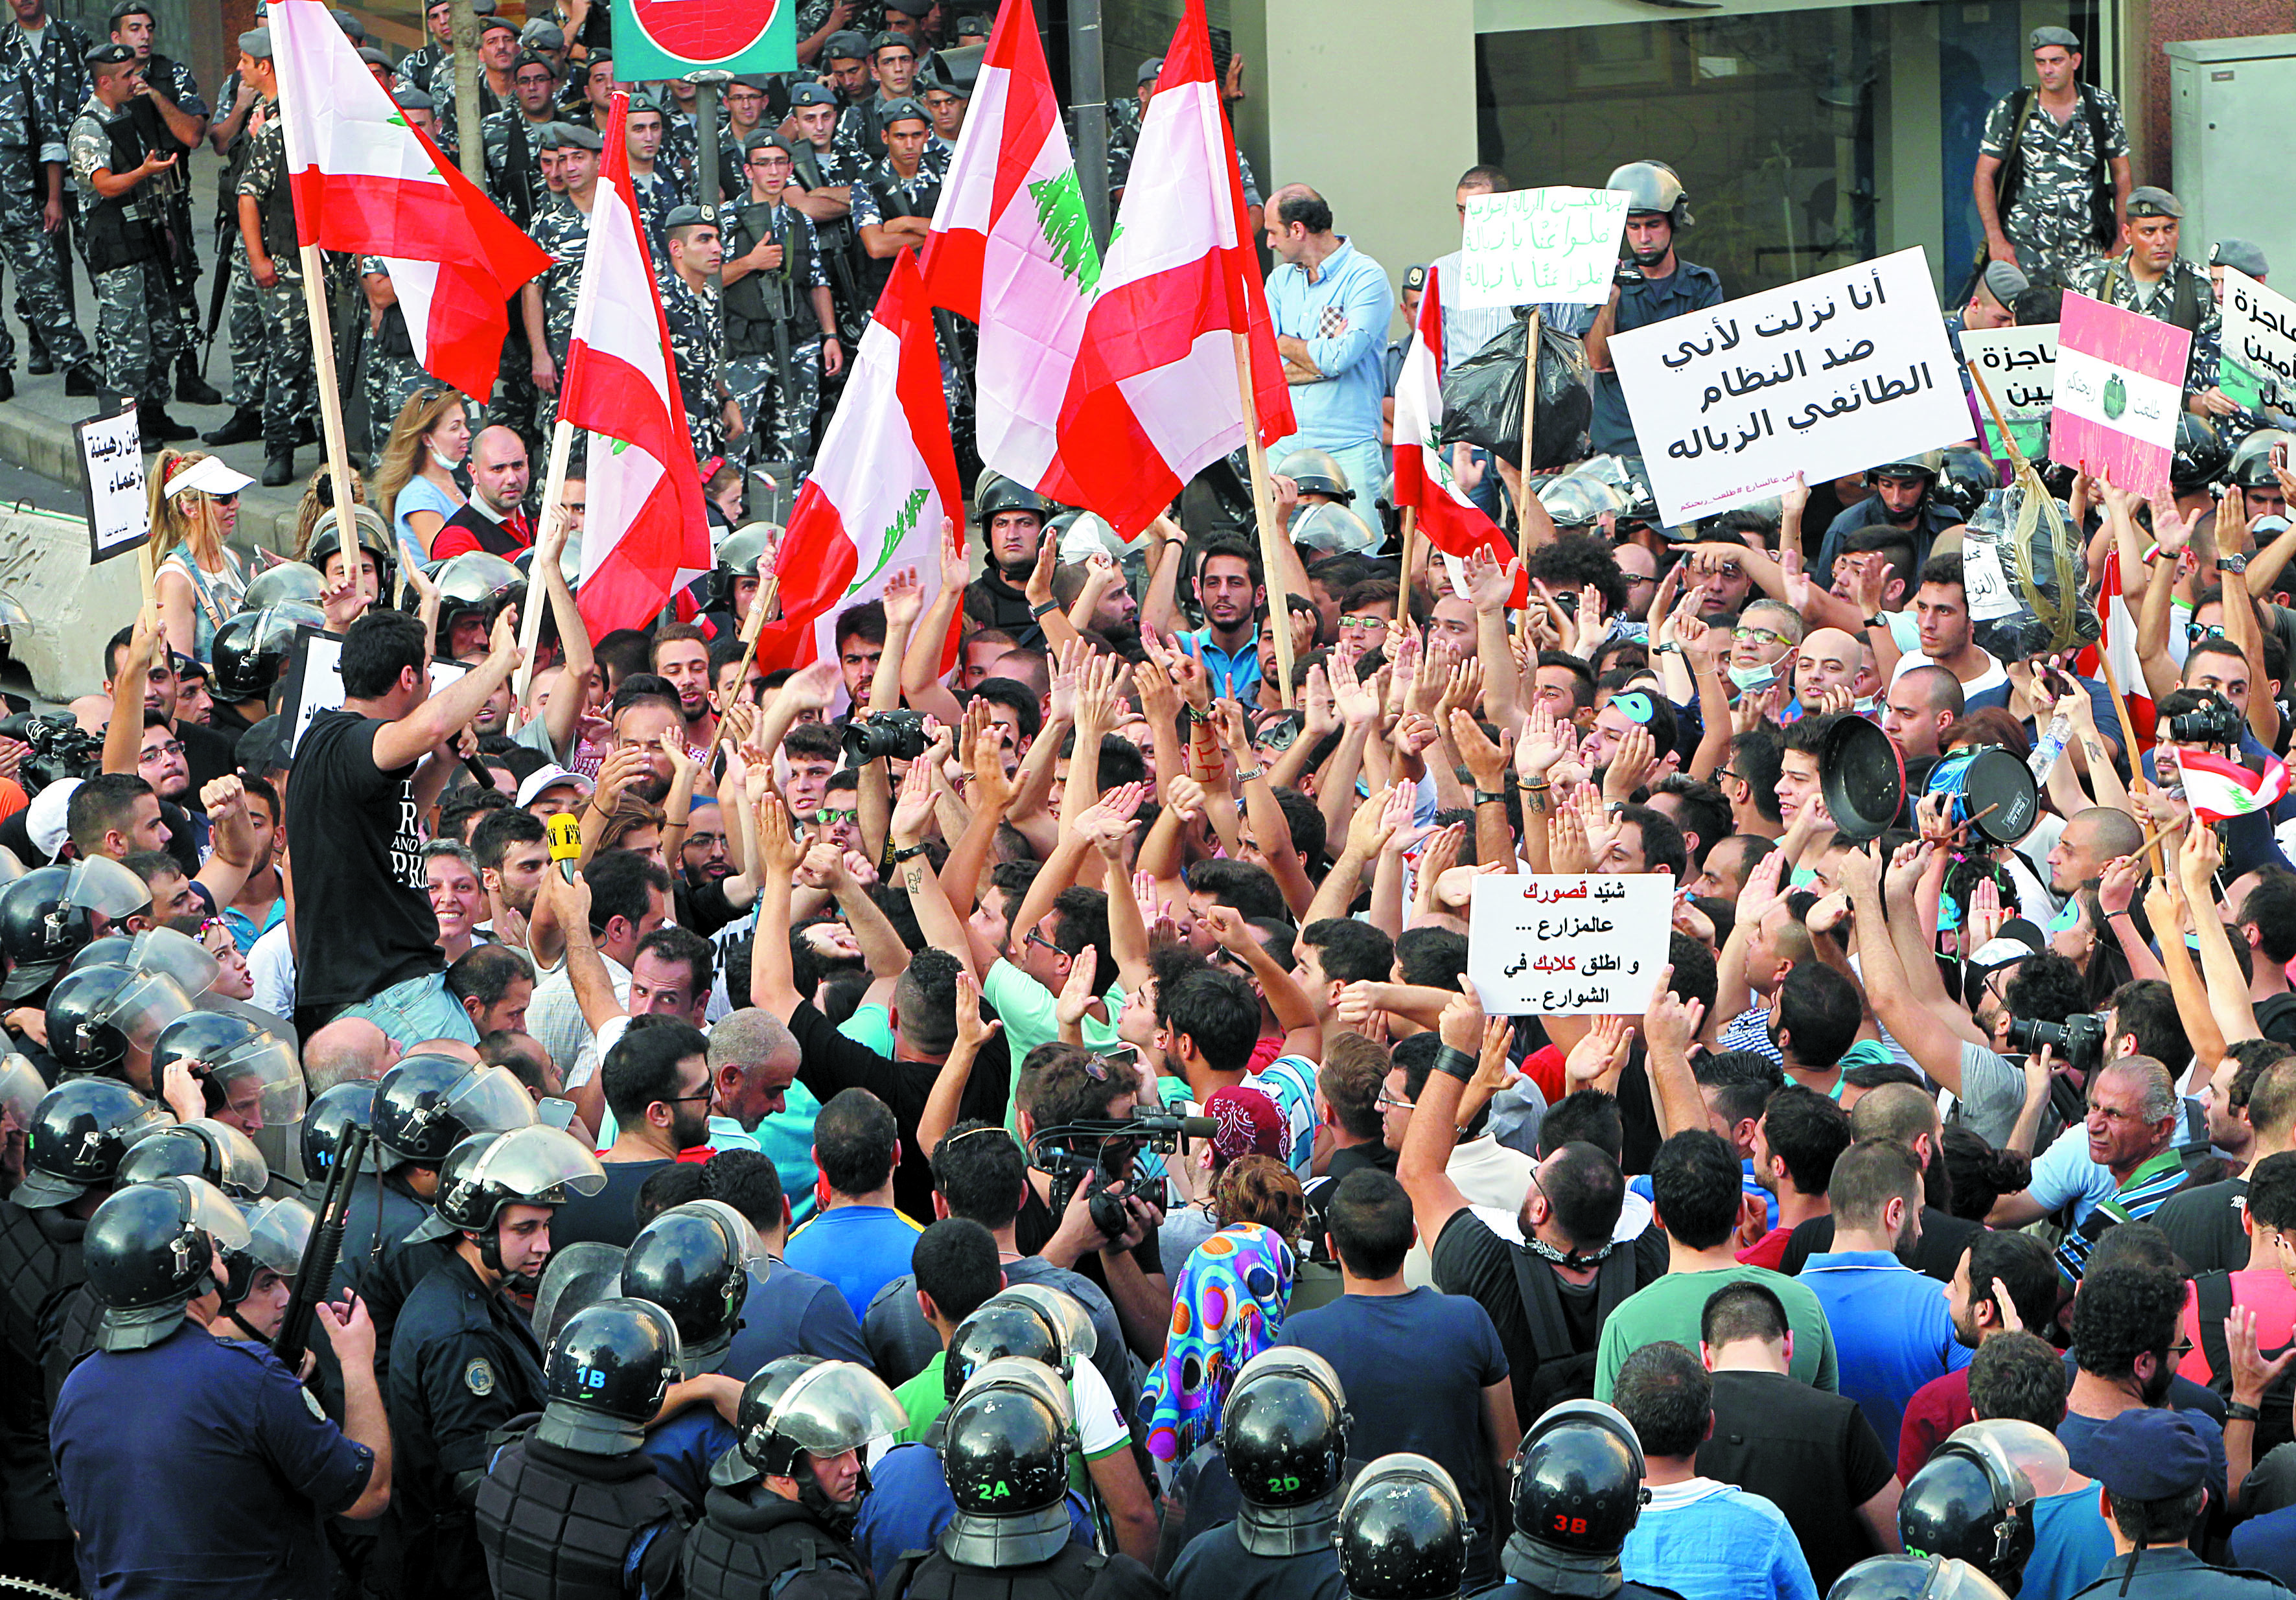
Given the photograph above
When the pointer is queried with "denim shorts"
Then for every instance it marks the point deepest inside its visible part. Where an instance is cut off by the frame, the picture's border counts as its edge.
(414, 1010)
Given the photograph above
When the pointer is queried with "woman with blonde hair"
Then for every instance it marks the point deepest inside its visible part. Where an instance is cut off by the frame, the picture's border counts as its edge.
(414, 486)
(194, 507)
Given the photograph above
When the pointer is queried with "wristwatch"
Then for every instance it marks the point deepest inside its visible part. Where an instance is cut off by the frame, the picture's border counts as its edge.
(2232, 563)
(1046, 609)
(908, 852)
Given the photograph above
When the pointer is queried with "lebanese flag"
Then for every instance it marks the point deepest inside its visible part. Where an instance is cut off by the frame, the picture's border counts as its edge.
(1154, 397)
(1011, 248)
(2120, 390)
(646, 533)
(2219, 788)
(2119, 646)
(884, 479)
(1454, 524)
(367, 184)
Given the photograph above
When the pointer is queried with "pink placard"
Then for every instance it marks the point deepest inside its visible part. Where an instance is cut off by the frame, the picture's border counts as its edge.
(2120, 378)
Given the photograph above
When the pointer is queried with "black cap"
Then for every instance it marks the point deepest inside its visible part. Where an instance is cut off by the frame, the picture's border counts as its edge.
(685, 217)
(497, 25)
(762, 82)
(110, 55)
(1415, 277)
(757, 141)
(888, 38)
(911, 8)
(132, 8)
(811, 94)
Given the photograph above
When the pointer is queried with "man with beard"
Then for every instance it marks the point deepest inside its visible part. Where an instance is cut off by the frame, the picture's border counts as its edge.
(681, 658)
(1115, 614)
(1900, 500)
(704, 864)
(657, 1084)
(1921, 703)
(1654, 285)
(1013, 517)
(494, 517)
(512, 849)
(1229, 591)
(1906, 1116)
(2124, 1328)
(1890, 1325)
(1996, 1260)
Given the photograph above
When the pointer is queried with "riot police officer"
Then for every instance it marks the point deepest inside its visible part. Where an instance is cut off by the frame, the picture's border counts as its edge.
(571, 1509)
(780, 1509)
(1913, 1578)
(1578, 1493)
(104, 1018)
(1973, 1500)
(2252, 470)
(1403, 1531)
(259, 1276)
(781, 322)
(727, 592)
(204, 1149)
(1654, 285)
(51, 914)
(463, 1362)
(333, 1114)
(181, 1449)
(1013, 518)
(253, 647)
(693, 1261)
(1283, 1431)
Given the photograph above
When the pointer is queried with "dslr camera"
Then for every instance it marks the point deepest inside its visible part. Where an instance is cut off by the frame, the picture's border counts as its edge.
(2213, 721)
(60, 748)
(2078, 1039)
(899, 734)
(1109, 1146)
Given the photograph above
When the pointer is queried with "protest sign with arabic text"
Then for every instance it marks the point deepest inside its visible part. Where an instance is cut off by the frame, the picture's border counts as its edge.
(1824, 377)
(1556, 246)
(1565, 946)
(112, 458)
(2259, 339)
(2120, 387)
(2020, 369)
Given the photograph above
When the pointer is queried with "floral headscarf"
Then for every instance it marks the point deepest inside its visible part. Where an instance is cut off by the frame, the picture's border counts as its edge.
(1226, 1307)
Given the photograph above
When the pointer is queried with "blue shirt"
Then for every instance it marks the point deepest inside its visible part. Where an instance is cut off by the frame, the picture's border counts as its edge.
(1342, 314)
(1688, 288)
(2071, 1545)
(1891, 1330)
(195, 1468)
(1232, 676)
(2266, 1543)
(791, 1313)
(1717, 1543)
(682, 1449)
(1640, 1183)
(859, 1248)
(908, 1503)
(2076, 1431)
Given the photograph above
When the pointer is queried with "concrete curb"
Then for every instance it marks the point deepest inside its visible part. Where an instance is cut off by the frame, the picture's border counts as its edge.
(33, 440)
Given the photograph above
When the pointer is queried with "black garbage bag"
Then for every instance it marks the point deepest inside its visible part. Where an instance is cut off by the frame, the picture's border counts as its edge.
(2040, 551)
(1483, 399)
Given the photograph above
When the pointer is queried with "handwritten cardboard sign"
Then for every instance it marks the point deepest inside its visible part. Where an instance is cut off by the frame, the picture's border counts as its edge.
(1564, 946)
(2259, 339)
(1557, 246)
(1824, 377)
(2120, 387)
(2020, 369)
(112, 458)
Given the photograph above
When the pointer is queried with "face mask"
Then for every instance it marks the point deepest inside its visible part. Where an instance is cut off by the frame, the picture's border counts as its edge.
(1750, 678)
(438, 461)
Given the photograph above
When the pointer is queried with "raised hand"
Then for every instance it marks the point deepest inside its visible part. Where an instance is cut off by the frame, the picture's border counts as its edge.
(904, 598)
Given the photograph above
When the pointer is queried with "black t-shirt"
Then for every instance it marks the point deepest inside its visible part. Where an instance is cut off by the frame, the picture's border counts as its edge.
(1945, 1237)
(2275, 1019)
(1812, 1454)
(2203, 1226)
(608, 1216)
(210, 753)
(363, 919)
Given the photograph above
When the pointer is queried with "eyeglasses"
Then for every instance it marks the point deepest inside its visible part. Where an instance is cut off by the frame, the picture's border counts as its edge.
(1035, 938)
(1725, 772)
(173, 747)
(830, 819)
(1757, 636)
(1362, 619)
(1634, 577)
(1394, 1102)
(686, 1099)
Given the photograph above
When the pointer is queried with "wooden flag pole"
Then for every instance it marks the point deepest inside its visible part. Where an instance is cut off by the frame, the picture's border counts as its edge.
(330, 400)
(1271, 531)
(768, 585)
(553, 491)
(1529, 407)
(1410, 543)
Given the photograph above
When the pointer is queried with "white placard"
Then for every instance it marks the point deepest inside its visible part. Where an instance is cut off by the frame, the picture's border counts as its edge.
(1556, 246)
(1826, 378)
(1984, 585)
(111, 460)
(2020, 366)
(1562, 946)
(2260, 333)
(316, 680)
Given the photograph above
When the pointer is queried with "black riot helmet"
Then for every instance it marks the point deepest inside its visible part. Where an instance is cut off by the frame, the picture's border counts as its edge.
(1005, 1450)
(608, 1371)
(331, 1118)
(80, 1131)
(534, 1165)
(149, 1250)
(278, 1232)
(477, 582)
(372, 536)
(1964, 478)
(289, 580)
(1027, 1320)
(51, 913)
(428, 1104)
(235, 1062)
(1283, 1431)
(737, 561)
(1973, 1500)
(800, 1406)
(98, 1015)
(693, 1261)
(253, 648)
(2201, 456)
(2252, 460)
(1001, 494)
(1913, 1578)
(201, 1148)
(1578, 1491)
(1403, 1532)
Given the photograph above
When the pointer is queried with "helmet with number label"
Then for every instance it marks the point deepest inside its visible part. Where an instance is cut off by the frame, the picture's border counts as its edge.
(79, 1132)
(1403, 1531)
(1006, 1451)
(334, 1112)
(149, 1251)
(1577, 1492)
(608, 1371)
(1027, 1320)
(1973, 1500)
(1283, 1430)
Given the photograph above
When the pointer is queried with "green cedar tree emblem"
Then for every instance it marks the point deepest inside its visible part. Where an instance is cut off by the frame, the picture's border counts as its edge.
(903, 521)
(1061, 216)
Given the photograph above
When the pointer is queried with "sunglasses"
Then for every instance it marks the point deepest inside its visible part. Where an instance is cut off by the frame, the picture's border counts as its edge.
(830, 819)
(1757, 636)
(2195, 632)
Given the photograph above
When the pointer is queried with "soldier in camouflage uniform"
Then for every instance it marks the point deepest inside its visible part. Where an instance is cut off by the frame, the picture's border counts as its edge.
(32, 155)
(58, 66)
(845, 68)
(654, 190)
(514, 136)
(232, 134)
(267, 228)
(173, 95)
(414, 68)
(690, 310)
(892, 208)
(2053, 168)
(2151, 278)
(893, 62)
(393, 374)
(780, 324)
(823, 189)
(136, 330)
(498, 49)
(563, 230)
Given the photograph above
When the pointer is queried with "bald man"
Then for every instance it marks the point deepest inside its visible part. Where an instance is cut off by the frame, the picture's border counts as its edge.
(347, 1049)
(494, 519)
(1922, 702)
(2089, 842)
(1832, 659)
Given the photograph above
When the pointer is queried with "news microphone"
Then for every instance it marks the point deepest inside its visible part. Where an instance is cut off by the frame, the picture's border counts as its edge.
(1199, 1127)
(565, 842)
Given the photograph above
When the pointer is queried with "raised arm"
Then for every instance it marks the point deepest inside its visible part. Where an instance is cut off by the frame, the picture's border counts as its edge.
(937, 919)
(441, 716)
(771, 985)
(921, 680)
(1295, 1013)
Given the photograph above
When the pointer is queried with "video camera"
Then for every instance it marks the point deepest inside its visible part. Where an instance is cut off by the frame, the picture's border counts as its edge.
(2078, 1039)
(60, 748)
(1116, 1141)
(2213, 721)
(899, 734)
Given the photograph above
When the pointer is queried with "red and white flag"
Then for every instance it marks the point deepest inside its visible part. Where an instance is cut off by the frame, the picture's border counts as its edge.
(1011, 248)
(2219, 788)
(645, 533)
(1154, 397)
(2119, 646)
(885, 478)
(1454, 524)
(367, 184)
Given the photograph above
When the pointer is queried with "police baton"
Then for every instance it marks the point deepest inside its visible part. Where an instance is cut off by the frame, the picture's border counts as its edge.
(318, 1264)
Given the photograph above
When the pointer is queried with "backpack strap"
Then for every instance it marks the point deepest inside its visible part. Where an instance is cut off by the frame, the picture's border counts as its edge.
(2011, 178)
(1542, 1305)
(2212, 1293)
(2103, 223)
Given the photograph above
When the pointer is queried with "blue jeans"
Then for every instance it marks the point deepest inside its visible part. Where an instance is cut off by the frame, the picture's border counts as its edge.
(417, 1009)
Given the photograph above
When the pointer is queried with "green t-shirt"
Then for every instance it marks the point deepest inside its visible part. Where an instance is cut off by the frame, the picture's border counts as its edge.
(1673, 1307)
(1100, 1432)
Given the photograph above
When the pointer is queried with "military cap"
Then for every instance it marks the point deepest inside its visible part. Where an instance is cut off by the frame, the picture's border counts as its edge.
(901, 110)
(132, 8)
(911, 8)
(497, 25)
(1150, 69)
(2146, 201)
(845, 44)
(2242, 255)
(415, 99)
(1415, 277)
(110, 55)
(484, 8)
(549, 36)
(763, 140)
(256, 42)
(2005, 281)
(811, 94)
(528, 58)
(2063, 38)
(353, 29)
(373, 57)
(888, 40)
(686, 216)
(971, 22)
(762, 82)
(571, 136)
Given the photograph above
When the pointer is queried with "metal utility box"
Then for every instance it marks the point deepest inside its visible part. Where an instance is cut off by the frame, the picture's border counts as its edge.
(2221, 92)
